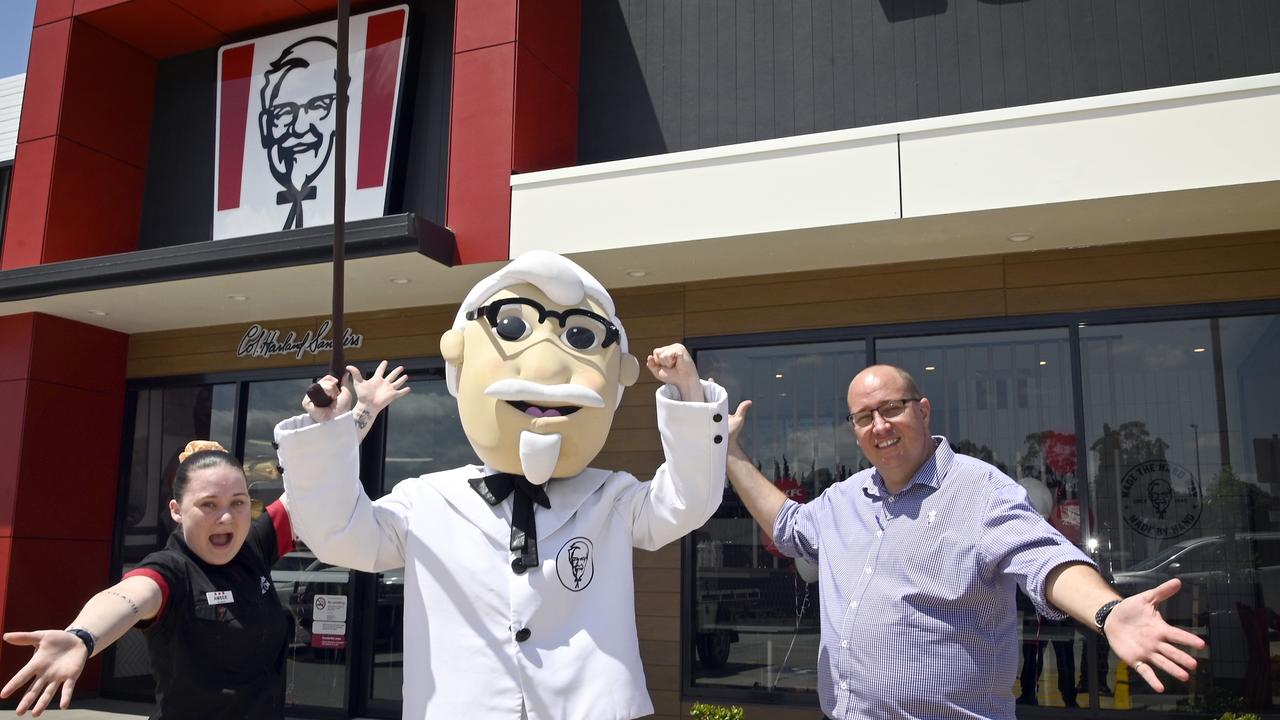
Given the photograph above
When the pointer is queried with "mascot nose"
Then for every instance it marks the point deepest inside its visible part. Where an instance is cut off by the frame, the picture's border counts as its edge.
(547, 363)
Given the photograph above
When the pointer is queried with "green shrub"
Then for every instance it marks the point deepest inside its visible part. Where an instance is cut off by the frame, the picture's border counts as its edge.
(705, 711)
(1242, 716)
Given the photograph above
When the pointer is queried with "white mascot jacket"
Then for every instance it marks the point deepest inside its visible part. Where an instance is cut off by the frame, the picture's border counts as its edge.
(481, 642)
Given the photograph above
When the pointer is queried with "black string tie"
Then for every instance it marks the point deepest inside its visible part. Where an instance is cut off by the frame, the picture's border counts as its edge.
(524, 533)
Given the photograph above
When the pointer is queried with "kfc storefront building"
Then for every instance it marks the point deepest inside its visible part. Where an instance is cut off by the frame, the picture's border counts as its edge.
(1068, 236)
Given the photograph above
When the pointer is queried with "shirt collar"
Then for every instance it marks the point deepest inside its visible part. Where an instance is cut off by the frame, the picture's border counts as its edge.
(930, 473)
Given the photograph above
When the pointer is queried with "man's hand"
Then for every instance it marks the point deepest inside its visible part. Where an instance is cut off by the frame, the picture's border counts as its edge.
(1139, 636)
(376, 392)
(57, 663)
(341, 395)
(673, 365)
(737, 421)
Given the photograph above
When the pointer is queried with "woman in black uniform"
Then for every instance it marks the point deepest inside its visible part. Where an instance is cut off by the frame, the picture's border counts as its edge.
(216, 631)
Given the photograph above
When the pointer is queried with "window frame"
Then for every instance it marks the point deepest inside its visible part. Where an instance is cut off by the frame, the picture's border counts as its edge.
(871, 334)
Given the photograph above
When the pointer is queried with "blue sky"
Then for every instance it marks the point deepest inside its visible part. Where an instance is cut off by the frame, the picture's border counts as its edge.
(15, 35)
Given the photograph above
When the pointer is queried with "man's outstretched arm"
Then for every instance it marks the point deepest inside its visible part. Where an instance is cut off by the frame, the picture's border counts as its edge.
(1135, 629)
(760, 496)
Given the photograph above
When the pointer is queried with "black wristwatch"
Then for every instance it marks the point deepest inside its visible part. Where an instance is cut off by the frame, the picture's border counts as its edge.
(85, 636)
(1100, 617)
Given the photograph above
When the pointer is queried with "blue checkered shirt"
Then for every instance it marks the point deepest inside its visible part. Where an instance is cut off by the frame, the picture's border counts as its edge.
(917, 589)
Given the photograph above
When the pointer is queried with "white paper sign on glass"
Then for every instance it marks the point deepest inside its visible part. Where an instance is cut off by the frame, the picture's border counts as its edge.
(276, 125)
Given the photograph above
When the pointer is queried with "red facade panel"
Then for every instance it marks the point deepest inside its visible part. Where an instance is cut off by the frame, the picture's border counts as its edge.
(88, 6)
(546, 117)
(62, 348)
(13, 412)
(47, 583)
(50, 471)
(552, 30)
(46, 74)
(478, 206)
(238, 17)
(48, 11)
(483, 23)
(109, 94)
(95, 205)
(236, 81)
(15, 351)
(28, 204)
(155, 27)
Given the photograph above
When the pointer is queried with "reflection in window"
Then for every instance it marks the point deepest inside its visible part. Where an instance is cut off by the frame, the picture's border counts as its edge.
(756, 621)
(424, 435)
(165, 420)
(1182, 424)
(1032, 441)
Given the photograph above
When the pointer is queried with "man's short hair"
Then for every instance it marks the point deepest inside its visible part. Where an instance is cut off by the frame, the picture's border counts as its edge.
(559, 278)
(302, 54)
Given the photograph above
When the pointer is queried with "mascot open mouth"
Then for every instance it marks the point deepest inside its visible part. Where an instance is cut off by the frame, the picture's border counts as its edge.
(539, 411)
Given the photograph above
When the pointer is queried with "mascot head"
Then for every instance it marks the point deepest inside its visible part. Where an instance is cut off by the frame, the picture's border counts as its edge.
(538, 361)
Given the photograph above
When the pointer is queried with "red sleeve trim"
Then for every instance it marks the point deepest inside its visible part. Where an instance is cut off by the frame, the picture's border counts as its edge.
(284, 528)
(158, 579)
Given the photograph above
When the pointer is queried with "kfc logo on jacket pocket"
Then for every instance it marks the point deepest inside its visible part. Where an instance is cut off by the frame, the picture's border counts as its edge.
(575, 564)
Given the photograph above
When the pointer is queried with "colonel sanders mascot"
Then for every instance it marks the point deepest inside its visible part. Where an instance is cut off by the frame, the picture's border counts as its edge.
(519, 594)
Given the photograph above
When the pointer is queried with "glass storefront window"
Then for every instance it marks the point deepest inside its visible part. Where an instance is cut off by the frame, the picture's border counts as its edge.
(165, 420)
(423, 435)
(755, 619)
(1006, 398)
(1182, 424)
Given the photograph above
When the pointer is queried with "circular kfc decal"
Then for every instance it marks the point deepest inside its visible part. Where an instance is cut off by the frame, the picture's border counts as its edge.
(1160, 499)
(575, 564)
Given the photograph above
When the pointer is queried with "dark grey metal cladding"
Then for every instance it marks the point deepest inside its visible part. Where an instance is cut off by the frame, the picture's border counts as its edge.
(660, 76)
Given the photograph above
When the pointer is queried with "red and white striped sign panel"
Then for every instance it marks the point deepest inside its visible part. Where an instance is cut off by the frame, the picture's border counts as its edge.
(273, 162)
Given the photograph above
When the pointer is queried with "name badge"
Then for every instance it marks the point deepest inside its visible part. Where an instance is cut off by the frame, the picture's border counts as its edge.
(219, 597)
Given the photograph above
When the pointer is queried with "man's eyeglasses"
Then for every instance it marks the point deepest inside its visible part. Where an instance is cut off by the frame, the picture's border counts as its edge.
(513, 320)
(887, 411)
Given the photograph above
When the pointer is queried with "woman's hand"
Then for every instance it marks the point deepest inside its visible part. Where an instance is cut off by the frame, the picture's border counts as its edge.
(58, 661)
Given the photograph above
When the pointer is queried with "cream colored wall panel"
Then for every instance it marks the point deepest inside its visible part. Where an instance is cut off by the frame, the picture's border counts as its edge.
(815, 181)
(1187, 137)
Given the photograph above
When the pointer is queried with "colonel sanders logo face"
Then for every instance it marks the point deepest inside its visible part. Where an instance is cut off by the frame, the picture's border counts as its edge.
(574, 565)
(297, 121)
(1160, 499)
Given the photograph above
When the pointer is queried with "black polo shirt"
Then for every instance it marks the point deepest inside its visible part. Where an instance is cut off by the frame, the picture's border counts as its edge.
(218, 645)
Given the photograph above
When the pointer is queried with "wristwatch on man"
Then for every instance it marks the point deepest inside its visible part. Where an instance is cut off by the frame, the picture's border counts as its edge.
(85, 636)
(1100, 617)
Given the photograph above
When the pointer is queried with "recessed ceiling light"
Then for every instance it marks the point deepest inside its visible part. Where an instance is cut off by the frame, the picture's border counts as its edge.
(1198, 350)
(1044, 362)
(929, 368)
(238, 298)
(637, 273)
(779, 375)
(1020, 237)
(401, 281)
(99, 313)
(782, 394)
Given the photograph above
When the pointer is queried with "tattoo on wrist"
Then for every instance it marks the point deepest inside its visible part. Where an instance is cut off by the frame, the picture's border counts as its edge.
(132, 606)
(362, 417)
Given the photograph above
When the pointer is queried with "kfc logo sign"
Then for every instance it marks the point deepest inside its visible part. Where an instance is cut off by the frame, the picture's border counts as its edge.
(277, 118)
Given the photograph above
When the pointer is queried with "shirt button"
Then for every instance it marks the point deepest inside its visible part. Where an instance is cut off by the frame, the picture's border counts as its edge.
(717, 439)
(844, 684)
(868, 569)
(854, 605)
(891, 498)
(717, 417)
(879, 533)
(518, 567)
(844, 643)
(523, 634)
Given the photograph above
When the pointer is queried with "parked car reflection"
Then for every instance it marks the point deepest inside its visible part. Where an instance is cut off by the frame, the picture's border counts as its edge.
(1217, 572)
